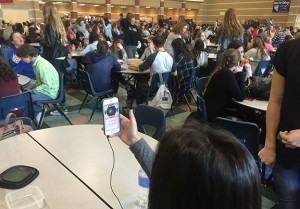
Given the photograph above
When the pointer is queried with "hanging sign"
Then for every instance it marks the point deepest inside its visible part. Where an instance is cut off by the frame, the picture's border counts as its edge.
(281, 6)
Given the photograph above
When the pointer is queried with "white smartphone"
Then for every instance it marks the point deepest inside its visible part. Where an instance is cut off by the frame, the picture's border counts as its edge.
(111, 115)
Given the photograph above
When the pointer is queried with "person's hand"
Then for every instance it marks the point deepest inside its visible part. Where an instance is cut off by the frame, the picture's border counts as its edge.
(128, 133)
(119, 46)
(268, 156)
(291, 139)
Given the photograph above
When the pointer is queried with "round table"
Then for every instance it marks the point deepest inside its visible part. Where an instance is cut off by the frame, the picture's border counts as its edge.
(23, 80)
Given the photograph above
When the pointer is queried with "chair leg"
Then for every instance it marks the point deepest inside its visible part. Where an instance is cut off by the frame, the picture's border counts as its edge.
(82, 103)
(187, 102)
(193, 96)
(94, 108)
(62, 113)
(42, 118)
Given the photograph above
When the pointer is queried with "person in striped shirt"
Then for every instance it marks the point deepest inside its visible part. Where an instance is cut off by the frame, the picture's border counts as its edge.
(46, 86)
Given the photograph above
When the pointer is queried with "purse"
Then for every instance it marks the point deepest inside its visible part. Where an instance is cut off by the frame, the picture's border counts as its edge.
(15, 128)
(260, 88)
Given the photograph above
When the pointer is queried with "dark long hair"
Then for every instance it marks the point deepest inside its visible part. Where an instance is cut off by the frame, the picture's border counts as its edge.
(180, 47)
(198, 48)
(205, 168)
(259, 44)
(6, 73)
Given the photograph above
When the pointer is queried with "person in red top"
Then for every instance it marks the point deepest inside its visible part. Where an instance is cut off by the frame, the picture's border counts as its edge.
(8, 80)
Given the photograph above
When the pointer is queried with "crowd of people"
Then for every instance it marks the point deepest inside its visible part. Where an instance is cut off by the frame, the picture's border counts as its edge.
(174, 49)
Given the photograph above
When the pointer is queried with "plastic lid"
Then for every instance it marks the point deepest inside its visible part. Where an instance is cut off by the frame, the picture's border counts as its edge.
(27, 198)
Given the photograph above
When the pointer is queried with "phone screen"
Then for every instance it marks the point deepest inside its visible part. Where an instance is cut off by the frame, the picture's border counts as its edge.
(111, 116)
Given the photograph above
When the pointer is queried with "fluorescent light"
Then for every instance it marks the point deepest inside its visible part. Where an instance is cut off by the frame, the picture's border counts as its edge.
(147, 7)
(123, 7)
(111, 6)
(189, 9)
(81, 4)
(96, 5)
(170, 8)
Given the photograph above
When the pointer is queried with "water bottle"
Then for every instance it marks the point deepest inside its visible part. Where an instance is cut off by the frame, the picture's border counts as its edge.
(73, 48)
(80, 45)
(144, 184)
(136, 55)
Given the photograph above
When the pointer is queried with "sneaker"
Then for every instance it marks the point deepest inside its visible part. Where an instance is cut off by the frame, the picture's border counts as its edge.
(55, 112)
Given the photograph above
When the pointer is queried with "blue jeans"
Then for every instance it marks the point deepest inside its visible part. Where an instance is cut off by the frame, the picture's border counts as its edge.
(287, 184)
(71, 70)
(130, 51)
(37, 96)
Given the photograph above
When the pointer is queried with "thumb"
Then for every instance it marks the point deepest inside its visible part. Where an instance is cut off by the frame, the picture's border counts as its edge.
(131, 117)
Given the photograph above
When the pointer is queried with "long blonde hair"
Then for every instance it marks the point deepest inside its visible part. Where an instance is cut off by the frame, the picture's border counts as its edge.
(232, 27)
(51, 17)
(179, 28)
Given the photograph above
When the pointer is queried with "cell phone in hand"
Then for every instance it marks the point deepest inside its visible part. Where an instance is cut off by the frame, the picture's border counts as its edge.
(111, 115)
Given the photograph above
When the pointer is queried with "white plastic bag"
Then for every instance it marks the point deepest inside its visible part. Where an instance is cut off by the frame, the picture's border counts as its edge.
(163, 99)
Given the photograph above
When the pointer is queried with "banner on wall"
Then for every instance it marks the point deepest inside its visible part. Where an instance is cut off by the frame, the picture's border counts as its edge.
(281, 6)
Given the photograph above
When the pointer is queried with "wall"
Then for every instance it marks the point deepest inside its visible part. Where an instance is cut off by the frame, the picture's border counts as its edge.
(247, 9)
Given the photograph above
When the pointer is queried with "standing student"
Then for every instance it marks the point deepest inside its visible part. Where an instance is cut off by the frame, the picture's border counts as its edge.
(283, 117)
(54, 42)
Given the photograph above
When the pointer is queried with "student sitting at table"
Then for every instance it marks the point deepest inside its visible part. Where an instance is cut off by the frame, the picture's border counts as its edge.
(195, 166)
(226, 82)
(118, 50)
(47, 78)
(150, 48)
(100, 65)
(158, 62)
(20, 67)
(258, 52)
(8, 80)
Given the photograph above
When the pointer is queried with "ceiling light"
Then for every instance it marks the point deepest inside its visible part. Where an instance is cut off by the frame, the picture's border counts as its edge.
(81, 4)
(96, 5)
(147, 7)
(170, 8)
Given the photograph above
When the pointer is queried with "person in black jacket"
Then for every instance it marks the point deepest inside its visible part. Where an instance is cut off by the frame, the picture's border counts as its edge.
(226, 83)
(132, 35)
(55, 42)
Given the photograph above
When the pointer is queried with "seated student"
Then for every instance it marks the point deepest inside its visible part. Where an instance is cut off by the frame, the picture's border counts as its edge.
(118, 50)
(20, 67)
(196, 166)
(158, 62)
(47, 78)
(8, 80)
(100, 65)
(258, 52)
(244, 63)
(226, 82)
(150, 48)
(72, 69)
(93, 41)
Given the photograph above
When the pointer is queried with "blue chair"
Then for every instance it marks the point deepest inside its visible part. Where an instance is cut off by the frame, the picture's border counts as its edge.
(54, 102)
(16, 102)
(155, 82)
(263, 68)
(88, 87)
(248, 133)
(147, 115)
(201, 85)
(188, 88)
(201, 110)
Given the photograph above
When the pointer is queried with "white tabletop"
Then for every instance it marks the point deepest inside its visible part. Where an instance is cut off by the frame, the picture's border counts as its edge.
(255, 104)
(212, 56)
(60, 188)
(84, 150)
(23, 80)
(35, 44)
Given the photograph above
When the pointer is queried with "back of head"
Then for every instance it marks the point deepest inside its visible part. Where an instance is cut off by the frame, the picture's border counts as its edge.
(6, 73)
(230, 58)
(159, 41)
(231, 25)
(180, 47)
(26, 51)
(93, 37)
(198, 47)
(102, 47)
(204, 168)
(179, 27)
(235, 44)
